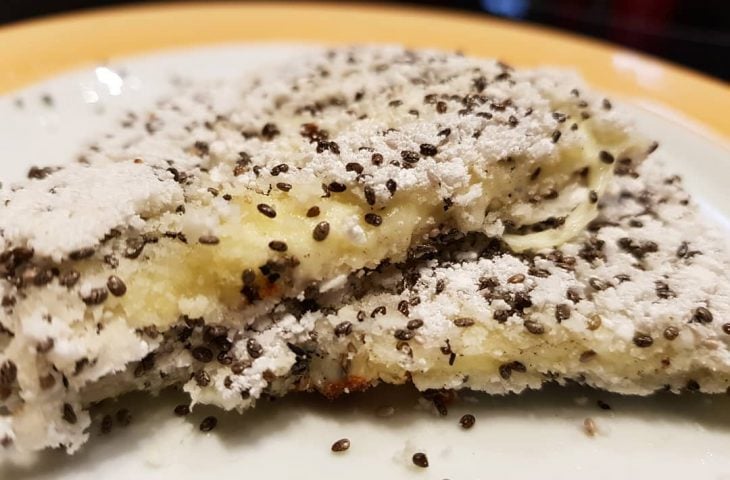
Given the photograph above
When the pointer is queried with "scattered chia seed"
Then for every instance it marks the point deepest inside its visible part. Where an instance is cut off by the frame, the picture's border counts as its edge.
(321, 231)
(202, 354)
(391, 186)
(404, 335)
(209, 240)
(562, 312)
(341, 445)
(266, 210)
(208, 424)
(336, 187)
(278, 246)
(343, 329)
(373, 219)
(420, 460)
(534, 327)
(467, 421)
(69, 278)
(606, 157)
(369, 195)
(427, 150)
(701, 315)
(96, 296)
(414, 324)
(464, 322)
(409, 156)
(670, 333)
(116, 286)
(254, 348)
(354, 167)
(643, 340)
(182, 410)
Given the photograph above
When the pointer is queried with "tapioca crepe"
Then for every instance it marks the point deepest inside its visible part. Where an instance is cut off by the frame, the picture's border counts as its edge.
(364, 215)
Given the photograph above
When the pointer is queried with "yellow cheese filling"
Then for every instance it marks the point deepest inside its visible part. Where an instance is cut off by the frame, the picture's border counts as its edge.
(214, 273)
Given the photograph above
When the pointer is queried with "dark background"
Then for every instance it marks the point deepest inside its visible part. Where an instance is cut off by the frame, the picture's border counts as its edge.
(695, 33)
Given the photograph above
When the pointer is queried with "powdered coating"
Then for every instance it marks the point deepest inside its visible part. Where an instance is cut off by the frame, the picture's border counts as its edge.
(75, 207)
(292, 344)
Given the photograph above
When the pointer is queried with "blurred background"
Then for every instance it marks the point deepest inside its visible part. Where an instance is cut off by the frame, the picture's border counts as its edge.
(695, 33)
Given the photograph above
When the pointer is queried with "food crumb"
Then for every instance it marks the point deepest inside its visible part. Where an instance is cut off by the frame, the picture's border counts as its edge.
(589, 427)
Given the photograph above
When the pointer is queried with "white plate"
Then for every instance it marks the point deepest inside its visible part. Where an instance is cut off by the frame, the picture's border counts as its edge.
(536, 435)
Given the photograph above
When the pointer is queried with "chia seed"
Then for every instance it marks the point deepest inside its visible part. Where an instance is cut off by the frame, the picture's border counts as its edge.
(278, 246)
(182, 410)
(373, 219)
(701, 315)
(467, 421)
(321, 231)
(643, 340)
(416, 323)
(341, 445)
(420, 460)
(369, 195)
(427, 150)
(606, 157)
(266, 210)
(208, 424)
(670, 333)
(202, 354)
(343, 329)
(116, 286)
(96, 296)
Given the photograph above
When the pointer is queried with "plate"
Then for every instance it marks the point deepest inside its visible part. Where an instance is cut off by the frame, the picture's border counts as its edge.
(538, 434)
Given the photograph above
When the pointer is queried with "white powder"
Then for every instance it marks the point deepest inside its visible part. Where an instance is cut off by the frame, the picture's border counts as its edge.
(202, 130)
(77, 206)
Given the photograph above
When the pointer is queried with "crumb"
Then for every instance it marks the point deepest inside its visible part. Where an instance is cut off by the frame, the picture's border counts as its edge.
(589, 427)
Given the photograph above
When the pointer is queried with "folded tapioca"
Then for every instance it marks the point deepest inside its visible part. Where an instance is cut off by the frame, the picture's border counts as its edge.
(196, 219)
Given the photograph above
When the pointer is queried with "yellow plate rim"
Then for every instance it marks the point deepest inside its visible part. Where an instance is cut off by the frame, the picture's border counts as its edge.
(34, 50)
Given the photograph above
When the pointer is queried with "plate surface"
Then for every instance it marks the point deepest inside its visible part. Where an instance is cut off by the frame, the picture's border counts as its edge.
(537, 435)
